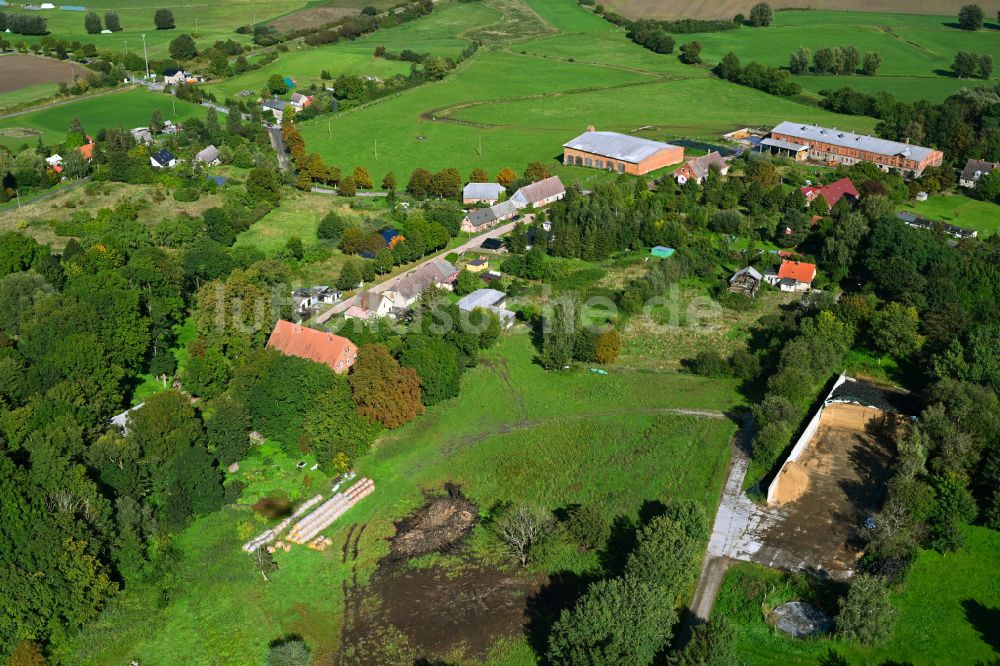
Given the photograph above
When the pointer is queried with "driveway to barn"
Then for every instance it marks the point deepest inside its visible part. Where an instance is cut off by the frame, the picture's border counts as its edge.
(470, 244)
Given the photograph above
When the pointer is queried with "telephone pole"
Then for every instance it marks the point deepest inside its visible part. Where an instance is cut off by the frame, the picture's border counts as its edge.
(146, 54)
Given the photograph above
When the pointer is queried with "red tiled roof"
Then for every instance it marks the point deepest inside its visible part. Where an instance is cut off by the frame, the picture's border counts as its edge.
(832, 192)
(799, 271)
(87, 150)
(332, 350)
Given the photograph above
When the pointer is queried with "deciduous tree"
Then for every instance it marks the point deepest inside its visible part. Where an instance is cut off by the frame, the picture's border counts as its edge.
(383, 391)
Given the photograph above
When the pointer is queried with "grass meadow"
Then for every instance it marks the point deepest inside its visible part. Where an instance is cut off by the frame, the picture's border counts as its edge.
(947, 611)
(207, 21)
(513, 433)
(960, 210)
(729, 8)
(129, 108)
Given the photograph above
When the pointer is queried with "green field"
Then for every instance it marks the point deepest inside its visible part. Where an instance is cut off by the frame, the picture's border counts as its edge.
(130, 108)
(947, 612)
(960, 210)
(216, 19)
(512, 433)
(521, 101)
(917, 51)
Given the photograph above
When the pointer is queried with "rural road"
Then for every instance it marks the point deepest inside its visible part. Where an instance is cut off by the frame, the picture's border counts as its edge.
(470, 244)
(731, 520)
(278, 143)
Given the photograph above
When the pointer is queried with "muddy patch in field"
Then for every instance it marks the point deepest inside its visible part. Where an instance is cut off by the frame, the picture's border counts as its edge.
(453, 609)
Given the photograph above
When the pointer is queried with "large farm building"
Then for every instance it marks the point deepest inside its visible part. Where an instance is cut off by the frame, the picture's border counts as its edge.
(620, 152)
(833, 145)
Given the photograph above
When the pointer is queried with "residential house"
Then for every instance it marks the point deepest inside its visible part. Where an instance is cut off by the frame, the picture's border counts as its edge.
(370, 305)
(488, 299)
(300, 101)
(406, 289)
(87, 150)
(54, 160)
(488, 193)
(828, 144)
(120, 421)
(163, 159)
(174, 76)
(305, 300)
(792, 276)
(832, 193)
(746, 281)
(142, 135)
(478, 265)
(209, 156)
(620, 152)
(276, 107)
(481, 219)
(539, 194)
(974, 170)
(697, 169)
(334, 351)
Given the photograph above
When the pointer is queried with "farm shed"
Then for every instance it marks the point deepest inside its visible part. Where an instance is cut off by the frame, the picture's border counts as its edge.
(474, 193)
(620, 152)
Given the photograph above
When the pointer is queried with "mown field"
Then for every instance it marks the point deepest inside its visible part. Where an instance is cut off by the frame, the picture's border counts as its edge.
(130, 108)
(729, 8)
(917, 51)
(947, 612)
(513, 433)
(520, 101)
(206, 20)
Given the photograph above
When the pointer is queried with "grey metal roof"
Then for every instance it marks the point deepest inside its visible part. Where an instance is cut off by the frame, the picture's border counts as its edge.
(784, 145)
(617, 146)
(481, 298)
(490, 191)
(749, 270)
(278, 104)
(809, 133)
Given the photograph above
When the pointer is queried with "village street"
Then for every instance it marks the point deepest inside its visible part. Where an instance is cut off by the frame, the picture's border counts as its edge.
(470, 244)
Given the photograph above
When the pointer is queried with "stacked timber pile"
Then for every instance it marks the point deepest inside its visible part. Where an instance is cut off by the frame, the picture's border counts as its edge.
(274, 532)
(320, 543)
(310, 526)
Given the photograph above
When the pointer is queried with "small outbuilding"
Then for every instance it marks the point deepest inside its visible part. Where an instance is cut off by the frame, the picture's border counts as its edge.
(746, 281)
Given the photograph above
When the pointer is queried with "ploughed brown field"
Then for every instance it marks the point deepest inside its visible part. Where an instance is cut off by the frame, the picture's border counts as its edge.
(21, 71)
(636, 9)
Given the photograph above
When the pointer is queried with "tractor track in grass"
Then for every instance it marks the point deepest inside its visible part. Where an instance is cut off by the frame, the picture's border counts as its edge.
(456, 444)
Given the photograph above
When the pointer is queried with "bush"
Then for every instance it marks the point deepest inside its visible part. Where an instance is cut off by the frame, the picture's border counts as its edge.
(709, 363)
(587, 526)
(187, 194)
(866, 616)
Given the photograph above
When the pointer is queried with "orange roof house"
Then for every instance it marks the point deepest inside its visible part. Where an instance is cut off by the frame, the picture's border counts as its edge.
(334, 351)
(833, 192)
(792, 276)
(87, 150)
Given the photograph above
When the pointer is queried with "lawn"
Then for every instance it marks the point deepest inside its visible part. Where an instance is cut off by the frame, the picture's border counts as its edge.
(947, 611)
(960, 210)
(129, 108)
(512, 433)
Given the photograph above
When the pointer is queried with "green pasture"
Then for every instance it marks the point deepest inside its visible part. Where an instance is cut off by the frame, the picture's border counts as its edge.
(568, 18)
(130, 108)
(216, 19)
(947, 611)
(305, 66)
(513, 433)
(917, 51)
(960, 210)
(27, 95)
(517, 108)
